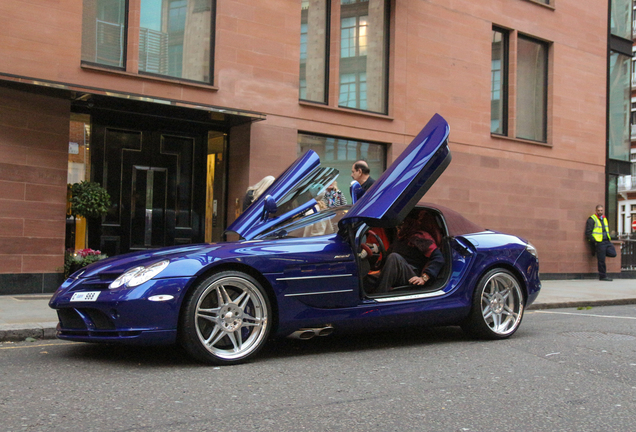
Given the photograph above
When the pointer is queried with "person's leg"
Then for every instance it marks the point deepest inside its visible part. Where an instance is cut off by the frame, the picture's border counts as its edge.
(396, 272)
(600, 256)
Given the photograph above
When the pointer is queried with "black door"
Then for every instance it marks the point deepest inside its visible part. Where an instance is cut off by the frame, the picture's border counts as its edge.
(154, 171)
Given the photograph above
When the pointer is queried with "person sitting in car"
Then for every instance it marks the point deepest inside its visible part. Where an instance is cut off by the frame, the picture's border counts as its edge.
(414, 258)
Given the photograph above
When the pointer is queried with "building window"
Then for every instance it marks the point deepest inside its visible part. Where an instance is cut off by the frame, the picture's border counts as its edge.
(621, 18)
(530, 89)
(342, 153)
(104, 32)
(313, 50)
(499, 83)
(363, 56)
(619, 107)
(175, 36)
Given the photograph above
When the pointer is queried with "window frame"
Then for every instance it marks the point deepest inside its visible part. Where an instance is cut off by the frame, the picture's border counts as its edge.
(332, 80)
(505, 73)
(511, 97)
(546, 82)
(133, 68)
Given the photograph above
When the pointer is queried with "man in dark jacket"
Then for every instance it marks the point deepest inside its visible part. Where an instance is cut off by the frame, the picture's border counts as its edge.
(361, 173)
(597, 233)
(413, 259)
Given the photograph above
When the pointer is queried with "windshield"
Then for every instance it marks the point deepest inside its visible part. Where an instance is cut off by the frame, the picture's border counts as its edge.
(309, 224)
(313, 186)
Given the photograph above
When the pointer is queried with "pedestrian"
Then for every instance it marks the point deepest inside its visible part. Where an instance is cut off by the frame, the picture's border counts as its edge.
(597, 233)
(253, 192)
(333, 196)
(361, 173)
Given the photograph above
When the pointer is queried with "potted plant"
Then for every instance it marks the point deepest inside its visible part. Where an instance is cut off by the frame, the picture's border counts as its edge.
(90, 201)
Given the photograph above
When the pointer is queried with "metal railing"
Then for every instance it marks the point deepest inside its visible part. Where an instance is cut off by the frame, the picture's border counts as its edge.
(626, 183)
(153, 51)
(109, 43)
(628, 255)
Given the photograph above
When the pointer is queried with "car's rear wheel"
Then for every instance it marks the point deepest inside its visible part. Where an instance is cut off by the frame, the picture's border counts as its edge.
(225, 320)
(498, 305)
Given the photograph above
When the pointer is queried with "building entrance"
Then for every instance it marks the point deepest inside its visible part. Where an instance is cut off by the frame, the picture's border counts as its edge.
(155, 171)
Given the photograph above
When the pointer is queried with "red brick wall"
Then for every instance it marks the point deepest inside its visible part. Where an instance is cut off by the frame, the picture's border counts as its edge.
(33, 165)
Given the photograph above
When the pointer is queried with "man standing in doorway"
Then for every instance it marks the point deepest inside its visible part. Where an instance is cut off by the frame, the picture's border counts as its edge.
(597, 233)
(360, 172)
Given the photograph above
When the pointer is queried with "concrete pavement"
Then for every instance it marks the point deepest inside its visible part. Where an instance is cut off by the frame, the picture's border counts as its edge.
(23, 316)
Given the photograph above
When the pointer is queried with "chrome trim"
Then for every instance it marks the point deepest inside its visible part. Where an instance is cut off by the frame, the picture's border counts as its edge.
(410, 297)
(315, 293)
(313, 277)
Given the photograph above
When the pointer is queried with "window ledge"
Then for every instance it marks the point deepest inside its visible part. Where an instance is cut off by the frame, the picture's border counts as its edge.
(345, 110)
(521, 140)
(92, 67)
(540, 3)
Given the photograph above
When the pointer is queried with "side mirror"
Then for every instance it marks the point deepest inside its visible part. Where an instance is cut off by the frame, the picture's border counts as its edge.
(269, 206)
(356, 191)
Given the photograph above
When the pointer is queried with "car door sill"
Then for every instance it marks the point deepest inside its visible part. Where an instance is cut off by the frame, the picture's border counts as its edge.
(404, 297)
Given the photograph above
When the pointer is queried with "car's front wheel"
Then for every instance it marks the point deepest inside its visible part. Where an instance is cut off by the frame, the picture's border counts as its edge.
(498, 305)
(225, 320)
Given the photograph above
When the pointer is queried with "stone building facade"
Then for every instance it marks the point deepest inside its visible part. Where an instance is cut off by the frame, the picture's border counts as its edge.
(263, 79)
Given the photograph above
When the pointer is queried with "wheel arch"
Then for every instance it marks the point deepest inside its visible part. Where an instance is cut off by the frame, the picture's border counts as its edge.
(512, 269)
(239, 267)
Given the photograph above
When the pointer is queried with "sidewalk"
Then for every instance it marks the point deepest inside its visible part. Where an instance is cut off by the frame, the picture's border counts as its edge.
(23, 316)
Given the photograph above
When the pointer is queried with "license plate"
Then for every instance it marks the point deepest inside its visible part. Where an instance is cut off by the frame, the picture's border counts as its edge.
(85, 296)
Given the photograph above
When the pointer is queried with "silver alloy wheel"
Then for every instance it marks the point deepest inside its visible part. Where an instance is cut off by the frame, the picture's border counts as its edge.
(502, 303)
(231, 318)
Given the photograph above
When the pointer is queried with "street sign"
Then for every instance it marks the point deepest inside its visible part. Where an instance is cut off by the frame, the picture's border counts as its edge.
(634, 225)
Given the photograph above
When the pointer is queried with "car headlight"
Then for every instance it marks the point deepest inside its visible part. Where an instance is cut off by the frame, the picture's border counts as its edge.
(532, 250)
(138, 275)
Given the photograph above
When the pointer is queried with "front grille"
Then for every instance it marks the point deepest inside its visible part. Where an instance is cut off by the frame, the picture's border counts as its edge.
(70, 319)
(99, 318)
(76, 319)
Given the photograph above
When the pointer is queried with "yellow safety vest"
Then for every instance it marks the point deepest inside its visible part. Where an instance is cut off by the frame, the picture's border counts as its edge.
(597, 232)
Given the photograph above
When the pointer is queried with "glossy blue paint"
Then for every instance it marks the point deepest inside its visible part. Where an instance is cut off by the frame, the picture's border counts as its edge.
(405, 182)
(310, 281)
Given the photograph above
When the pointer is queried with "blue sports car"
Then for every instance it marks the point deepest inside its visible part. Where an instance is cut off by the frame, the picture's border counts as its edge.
(302, 269)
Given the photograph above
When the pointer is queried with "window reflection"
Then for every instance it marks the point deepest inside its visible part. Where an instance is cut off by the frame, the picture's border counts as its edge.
(104, 32)
(175, 38)
(363, 56)
(532, 82)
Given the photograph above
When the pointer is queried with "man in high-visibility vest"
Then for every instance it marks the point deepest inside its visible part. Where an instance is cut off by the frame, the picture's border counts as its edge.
(597, 233)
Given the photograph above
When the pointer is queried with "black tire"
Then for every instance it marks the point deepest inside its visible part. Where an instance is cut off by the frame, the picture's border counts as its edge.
(497, 307)
(225, 319)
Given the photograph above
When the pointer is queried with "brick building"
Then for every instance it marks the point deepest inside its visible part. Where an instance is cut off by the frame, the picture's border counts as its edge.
(176, 106)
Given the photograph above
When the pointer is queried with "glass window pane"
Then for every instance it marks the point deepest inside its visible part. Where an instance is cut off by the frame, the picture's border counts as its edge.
(104, 32)
(532, 80)
(619, 107)
(621, 18)
(363, 54)
(341, 154)
(313, 50)
(175, 38)
(498, 83)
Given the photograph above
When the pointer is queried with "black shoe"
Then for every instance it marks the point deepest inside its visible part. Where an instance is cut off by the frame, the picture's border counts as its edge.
(606, 279)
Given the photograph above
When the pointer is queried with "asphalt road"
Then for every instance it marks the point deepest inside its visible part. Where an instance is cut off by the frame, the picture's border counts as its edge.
(564, 370)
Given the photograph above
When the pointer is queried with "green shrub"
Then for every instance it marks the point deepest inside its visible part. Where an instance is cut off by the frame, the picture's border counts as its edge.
(89, 200)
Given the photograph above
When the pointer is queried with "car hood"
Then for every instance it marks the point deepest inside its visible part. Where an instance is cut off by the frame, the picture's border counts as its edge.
(118, 264)
(405, 182)
(294, 192)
